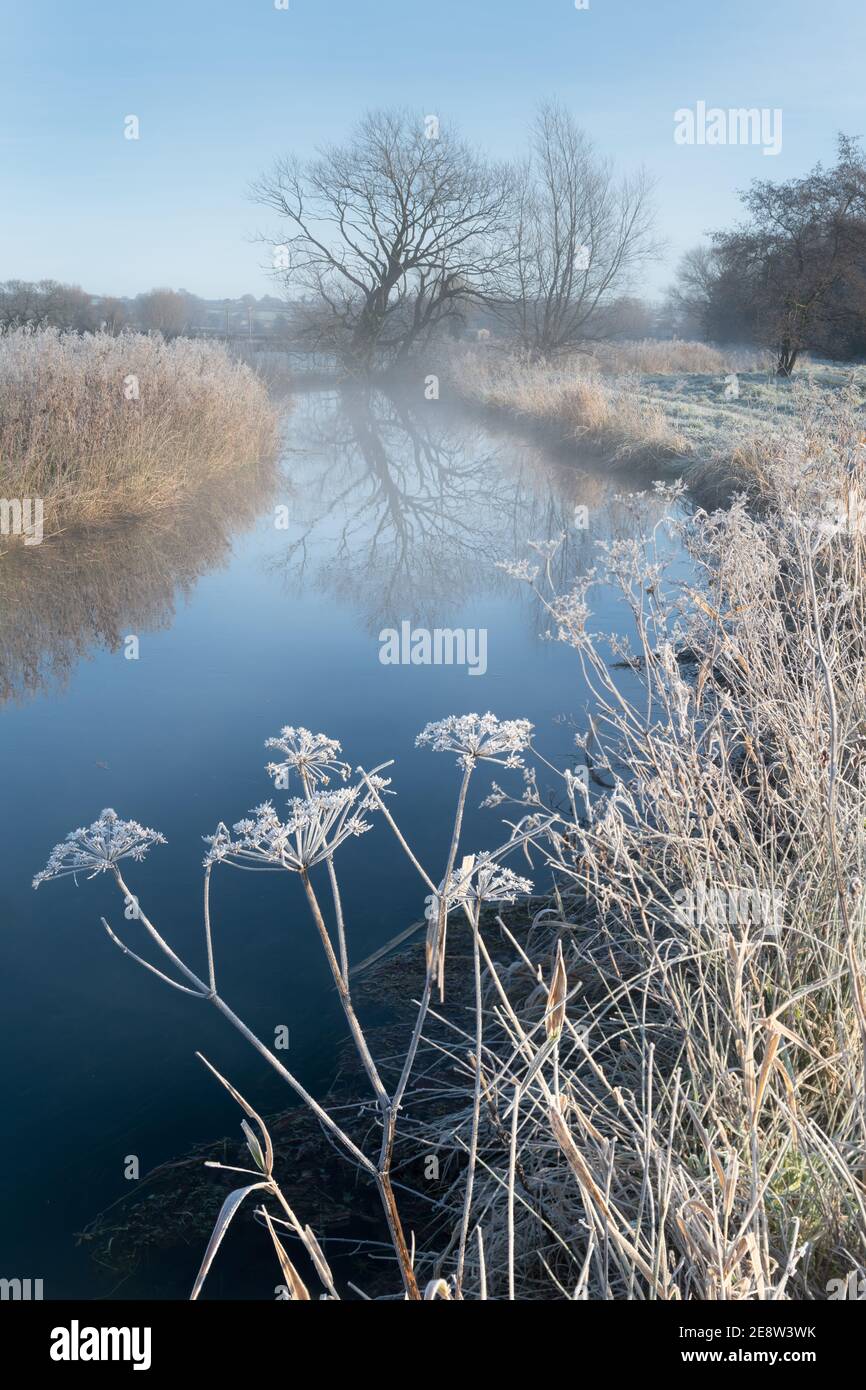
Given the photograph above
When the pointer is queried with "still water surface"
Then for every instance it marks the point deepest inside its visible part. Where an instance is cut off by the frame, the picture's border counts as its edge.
(396, 512)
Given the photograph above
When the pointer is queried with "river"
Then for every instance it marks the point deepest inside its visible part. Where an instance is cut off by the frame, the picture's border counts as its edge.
(260, 606)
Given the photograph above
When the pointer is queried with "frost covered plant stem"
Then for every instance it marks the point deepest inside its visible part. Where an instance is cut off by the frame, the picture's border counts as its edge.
(208, 992)
(318, 823)
(262, 1151)
(473, 738)
(487, 883)
(345, 996)
(128, 832)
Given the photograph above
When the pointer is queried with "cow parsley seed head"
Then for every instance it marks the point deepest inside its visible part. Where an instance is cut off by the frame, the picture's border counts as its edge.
(478, 736)
(481, 879)
(519, 569)
(496, 797)
(221, 844)
(312, 756)
(547, 549)
(313, 830)
(497, 885)
(101, 846)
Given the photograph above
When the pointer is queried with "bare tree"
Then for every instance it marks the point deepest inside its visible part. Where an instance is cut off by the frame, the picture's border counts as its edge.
(792, 275)
(46, 303)
(799, 257)
(74, 309)
(389, 234)
(578, 233)
(112, 315)
(163, 311)
(24, 302)
(709, 299)
(687, 306)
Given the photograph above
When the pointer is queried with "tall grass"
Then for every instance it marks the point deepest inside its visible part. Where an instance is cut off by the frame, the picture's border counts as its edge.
(699, 1129)
(572, 400)
(101, 426)
(652, 406)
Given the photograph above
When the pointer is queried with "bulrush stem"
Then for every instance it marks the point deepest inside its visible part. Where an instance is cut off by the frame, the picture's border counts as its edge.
(389, 1131)
(395, 1226)
(858, 991)
(341, 926)
(442, 924)
(207, 930)
(388, 1137)
(335, 891)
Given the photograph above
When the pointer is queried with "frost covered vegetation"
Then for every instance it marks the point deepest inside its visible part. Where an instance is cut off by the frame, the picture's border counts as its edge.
(653, 1084)
(102, 427)
(682, 407)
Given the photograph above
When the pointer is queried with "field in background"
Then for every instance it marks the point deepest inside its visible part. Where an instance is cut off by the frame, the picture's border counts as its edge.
(682, 407)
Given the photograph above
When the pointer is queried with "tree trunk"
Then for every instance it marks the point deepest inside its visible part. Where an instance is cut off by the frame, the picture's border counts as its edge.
(787, 359)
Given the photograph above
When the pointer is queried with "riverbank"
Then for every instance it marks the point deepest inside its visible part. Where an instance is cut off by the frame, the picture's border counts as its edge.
(691, 1124)
(715, 418)
(98, 428)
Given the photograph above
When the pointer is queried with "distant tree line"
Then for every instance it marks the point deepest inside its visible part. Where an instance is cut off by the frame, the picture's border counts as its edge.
(171, 313)
(404, 232)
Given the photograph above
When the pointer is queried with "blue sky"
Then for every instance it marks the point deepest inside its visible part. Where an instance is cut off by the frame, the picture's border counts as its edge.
(222, 87)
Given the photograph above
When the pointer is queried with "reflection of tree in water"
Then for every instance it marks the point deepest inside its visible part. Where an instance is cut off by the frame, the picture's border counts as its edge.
(402, 509)
(83, 592)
